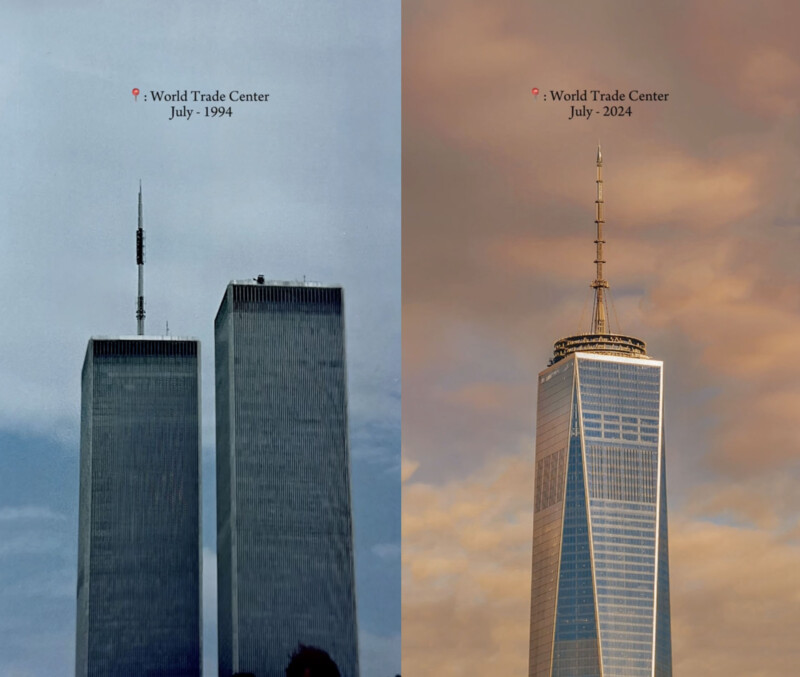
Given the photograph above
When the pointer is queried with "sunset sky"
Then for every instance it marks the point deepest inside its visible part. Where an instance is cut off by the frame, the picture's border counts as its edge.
(703, 237)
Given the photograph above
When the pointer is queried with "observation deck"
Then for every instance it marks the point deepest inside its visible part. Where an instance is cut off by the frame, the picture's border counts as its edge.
(605, 344)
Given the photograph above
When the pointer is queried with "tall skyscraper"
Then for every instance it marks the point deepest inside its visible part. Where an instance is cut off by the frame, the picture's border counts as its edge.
(600, 581)
(284, 527)
(139, 557)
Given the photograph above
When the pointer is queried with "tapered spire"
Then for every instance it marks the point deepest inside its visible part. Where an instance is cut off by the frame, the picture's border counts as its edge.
(140, 264)
(600, 339)
(600, 309)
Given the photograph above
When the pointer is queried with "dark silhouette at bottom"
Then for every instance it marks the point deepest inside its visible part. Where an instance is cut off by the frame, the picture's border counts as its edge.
(306, 661)
(309, 661)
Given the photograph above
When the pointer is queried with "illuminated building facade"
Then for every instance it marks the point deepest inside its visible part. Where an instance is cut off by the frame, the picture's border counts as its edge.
(600, 579)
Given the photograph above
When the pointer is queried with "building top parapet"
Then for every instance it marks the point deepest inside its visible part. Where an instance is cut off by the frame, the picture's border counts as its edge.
(603, 344)
(262, 282)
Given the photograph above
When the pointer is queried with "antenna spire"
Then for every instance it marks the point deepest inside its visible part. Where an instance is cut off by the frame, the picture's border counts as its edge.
(600, 339)
(600, 310)
(140, 265)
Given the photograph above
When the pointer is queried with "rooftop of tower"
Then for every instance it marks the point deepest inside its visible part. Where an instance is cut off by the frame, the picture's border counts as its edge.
(140, 337)
(599, 339)
(261, 280)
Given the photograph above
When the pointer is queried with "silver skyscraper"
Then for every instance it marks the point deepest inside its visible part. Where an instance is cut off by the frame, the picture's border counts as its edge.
(600, 583)
(284, 526)
(139, 557)
(139, 521)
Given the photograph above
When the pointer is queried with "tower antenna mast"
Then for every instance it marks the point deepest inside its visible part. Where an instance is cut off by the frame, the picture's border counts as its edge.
(600, 310)
(140, 265)
(600, 338)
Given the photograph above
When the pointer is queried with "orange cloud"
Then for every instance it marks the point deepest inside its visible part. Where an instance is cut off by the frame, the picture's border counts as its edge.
(407, 468)
(690, 192)
(703, 236)
(466, 579)
(734, 606)
(466, 567)
(770, 81)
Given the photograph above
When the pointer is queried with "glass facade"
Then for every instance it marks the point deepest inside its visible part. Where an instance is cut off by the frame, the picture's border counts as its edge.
(600, 593)
(139, 558)
(284, 526)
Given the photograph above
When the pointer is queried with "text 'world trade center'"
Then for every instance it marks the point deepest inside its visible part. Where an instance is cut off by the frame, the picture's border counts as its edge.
(600, 581)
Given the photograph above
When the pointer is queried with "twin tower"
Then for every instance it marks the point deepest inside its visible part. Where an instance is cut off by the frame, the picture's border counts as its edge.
(284, 528)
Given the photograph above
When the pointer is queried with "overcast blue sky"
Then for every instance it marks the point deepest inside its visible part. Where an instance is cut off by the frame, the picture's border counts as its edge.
(307, 184)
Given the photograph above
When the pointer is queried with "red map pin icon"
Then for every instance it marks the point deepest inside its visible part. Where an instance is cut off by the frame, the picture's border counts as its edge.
(535, 92)
(135, 92)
